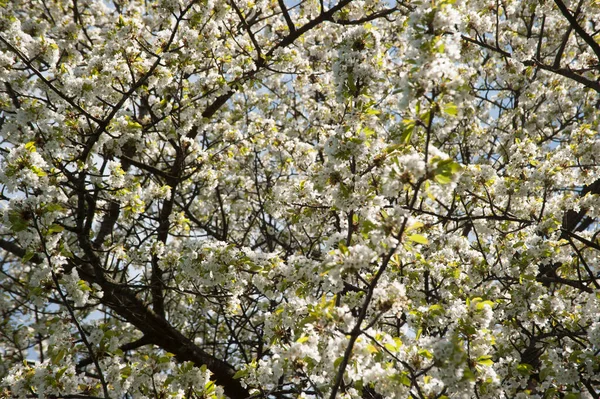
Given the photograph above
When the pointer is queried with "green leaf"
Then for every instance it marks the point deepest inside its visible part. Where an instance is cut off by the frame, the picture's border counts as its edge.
(525, 369)
(415, 226)
(17, 223)
(28, 256)
(164, 359)
(445, 170)
(391, 148)
(302, 339)
(133, 125)
(442, 179)
(240, 373)
(405, 380)
(359, 385)
(55, 228)
(338, 361)
(418, 238)
(407, 132)
(481, 305)
(39, 172)
(485, 360)
(83, 286)
(54, 208)
(209, 386)
(545, 372)
(343, 248)
(425, 353)
(419, 332)
(436, 309)
(451, 109)
(468, 375)
(58, 356)
(390, 347)
(60, 372)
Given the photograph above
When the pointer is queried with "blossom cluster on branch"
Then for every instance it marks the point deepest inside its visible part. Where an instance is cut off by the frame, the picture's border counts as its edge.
(299, 199)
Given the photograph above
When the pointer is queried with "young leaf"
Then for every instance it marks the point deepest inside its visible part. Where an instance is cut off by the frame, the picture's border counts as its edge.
(418, 238)
(451, 109)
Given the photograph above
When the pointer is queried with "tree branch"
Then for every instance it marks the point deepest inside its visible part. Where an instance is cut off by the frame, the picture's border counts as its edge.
(580, 31)
(155, 328)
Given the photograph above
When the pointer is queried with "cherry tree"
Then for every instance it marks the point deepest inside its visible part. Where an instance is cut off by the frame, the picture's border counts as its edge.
(312, 199)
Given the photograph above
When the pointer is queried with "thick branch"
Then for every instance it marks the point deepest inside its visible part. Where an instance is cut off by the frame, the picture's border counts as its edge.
(580, 31)
(155, 328)
(572, 218)
(286, 16)
(162, 334)
(567, 73)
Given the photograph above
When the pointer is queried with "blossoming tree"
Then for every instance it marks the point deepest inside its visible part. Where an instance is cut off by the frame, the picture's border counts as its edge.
(319, 199)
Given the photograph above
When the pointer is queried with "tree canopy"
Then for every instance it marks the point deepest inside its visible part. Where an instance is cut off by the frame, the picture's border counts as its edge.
(299, 199)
